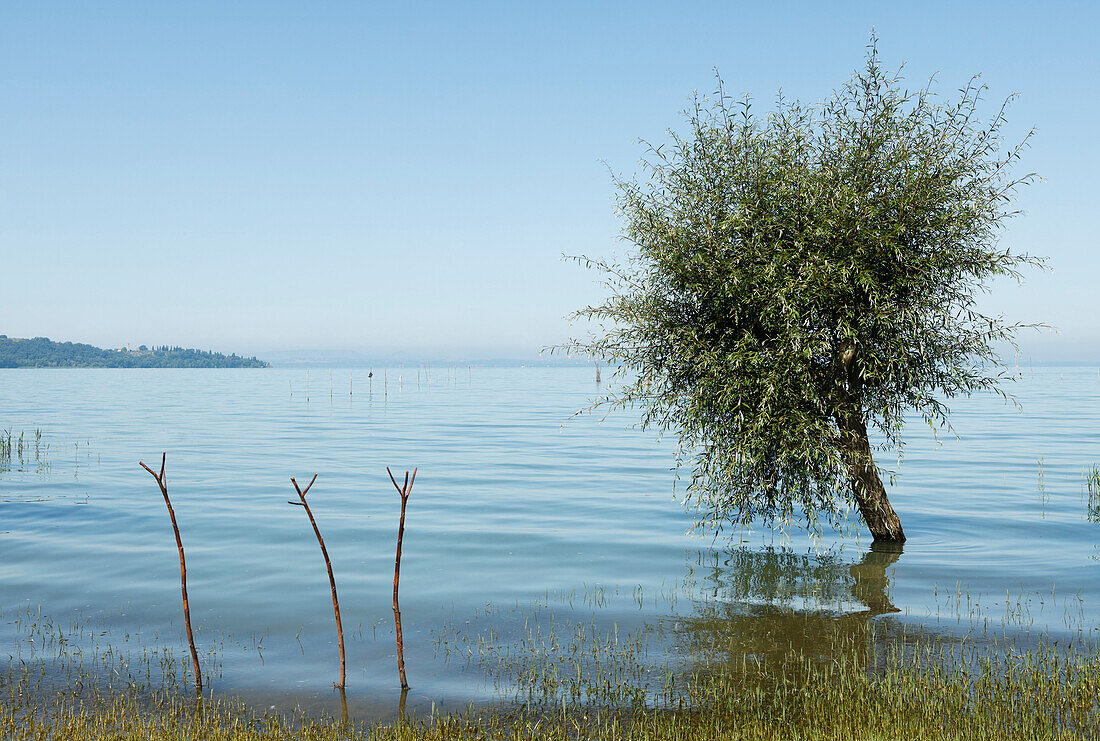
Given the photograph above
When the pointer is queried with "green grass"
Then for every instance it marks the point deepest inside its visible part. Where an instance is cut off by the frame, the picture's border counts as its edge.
(1092, 483)
(578, 681)
(25, 452)
(1037, 695)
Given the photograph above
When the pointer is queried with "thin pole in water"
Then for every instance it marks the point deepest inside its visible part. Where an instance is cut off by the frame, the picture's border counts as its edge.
(163, 484)
(328, 565)
(404, 491)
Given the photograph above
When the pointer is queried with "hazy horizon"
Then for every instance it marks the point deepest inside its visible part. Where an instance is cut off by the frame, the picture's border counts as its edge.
(1034, 353)
(282, 177)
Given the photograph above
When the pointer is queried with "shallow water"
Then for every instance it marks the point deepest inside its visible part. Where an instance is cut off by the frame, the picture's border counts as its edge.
(517, 516)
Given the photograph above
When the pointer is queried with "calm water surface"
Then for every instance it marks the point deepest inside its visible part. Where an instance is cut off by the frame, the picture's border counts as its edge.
(517, 516)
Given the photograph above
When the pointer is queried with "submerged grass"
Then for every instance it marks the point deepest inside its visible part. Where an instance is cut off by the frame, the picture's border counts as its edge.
(1044, 694)
(1092, 483)
(26, 452)
(579, 681)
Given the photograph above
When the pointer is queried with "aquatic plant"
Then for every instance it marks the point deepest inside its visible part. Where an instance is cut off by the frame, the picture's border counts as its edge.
(1092, 482)
(17, 453)
(1048, 692)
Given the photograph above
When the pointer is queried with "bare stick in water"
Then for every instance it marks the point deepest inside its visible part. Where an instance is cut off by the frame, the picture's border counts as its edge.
(162, 483)
(404, 491)
(328, 565)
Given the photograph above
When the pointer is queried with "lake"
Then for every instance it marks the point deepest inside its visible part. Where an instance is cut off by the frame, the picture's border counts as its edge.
(522, 521)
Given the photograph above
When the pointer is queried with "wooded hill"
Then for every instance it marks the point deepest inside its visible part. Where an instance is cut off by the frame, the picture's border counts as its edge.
(41, 352)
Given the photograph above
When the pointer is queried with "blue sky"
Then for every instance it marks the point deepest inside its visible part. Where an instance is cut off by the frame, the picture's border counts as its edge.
(402, 178)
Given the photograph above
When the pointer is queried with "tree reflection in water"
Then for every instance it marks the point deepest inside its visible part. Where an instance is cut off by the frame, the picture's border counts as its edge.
(763, 607)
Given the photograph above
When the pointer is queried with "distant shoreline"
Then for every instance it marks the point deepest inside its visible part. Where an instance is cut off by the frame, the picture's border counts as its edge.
(42, 352)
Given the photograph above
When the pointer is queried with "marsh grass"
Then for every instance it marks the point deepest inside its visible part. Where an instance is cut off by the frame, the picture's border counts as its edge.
(726, 665)
(28, 452)
(79, 655)
(548, 663)
(1042, 487)
(1047, 692)
(1092, 484)
(31, 452)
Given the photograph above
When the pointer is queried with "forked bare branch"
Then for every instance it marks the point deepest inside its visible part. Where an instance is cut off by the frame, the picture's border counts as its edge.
(404, 491)
(328, 565)
(163, 484)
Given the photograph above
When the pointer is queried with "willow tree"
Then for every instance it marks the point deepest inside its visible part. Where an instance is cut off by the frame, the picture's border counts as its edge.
(798, 282)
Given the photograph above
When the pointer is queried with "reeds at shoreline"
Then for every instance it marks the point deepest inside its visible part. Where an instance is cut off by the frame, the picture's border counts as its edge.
(582, 682)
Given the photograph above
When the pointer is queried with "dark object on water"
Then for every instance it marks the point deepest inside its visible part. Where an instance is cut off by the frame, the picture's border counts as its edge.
(183, 568)
(328, 565)
(404, 492)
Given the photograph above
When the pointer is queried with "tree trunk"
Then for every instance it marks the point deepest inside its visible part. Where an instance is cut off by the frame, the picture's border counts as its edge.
(867, 488)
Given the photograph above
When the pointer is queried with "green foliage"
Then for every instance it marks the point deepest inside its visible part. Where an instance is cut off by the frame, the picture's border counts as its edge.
(916, 686)
(23, 453)
(41, 352)
(798, 276)
(1092, 480)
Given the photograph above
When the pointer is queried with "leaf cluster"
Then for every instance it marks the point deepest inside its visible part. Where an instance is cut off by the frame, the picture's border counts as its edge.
(787, 263)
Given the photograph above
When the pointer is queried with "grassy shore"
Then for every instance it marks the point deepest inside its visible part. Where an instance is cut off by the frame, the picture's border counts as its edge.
(912, 689)
(714, 668)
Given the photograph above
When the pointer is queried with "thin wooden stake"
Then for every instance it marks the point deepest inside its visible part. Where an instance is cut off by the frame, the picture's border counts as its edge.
(328, 565)
(162, 483)
(404, 491)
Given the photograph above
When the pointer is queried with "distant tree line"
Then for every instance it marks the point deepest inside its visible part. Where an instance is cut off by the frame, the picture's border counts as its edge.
(41, 352)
